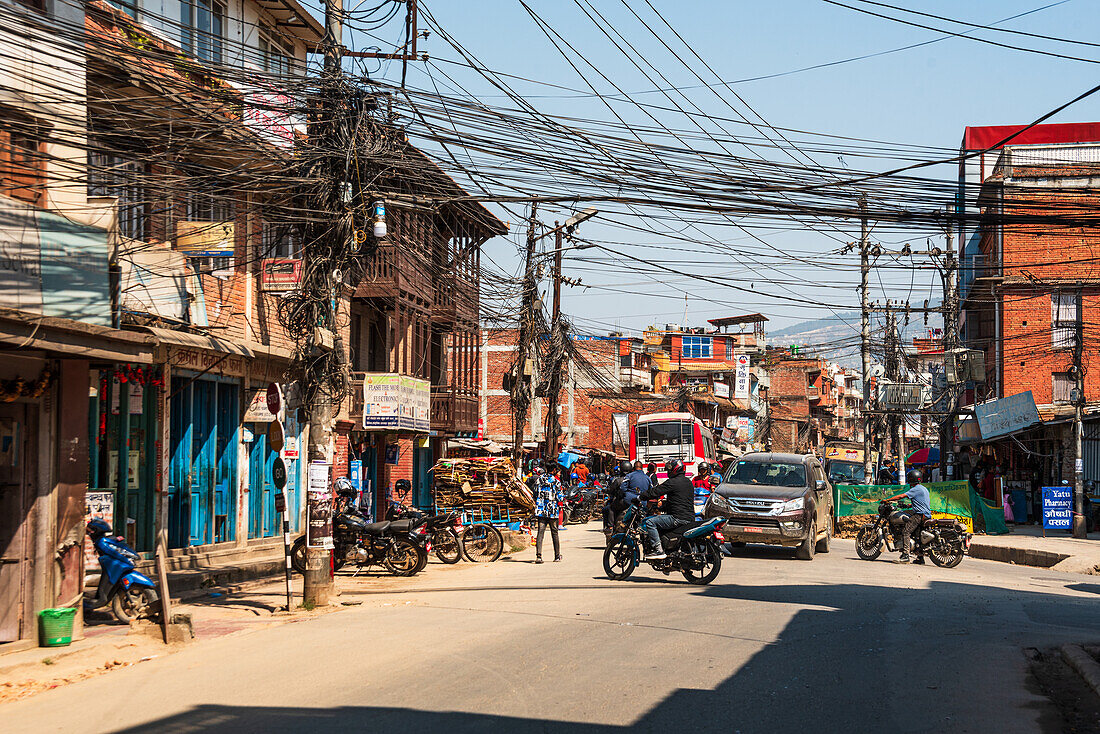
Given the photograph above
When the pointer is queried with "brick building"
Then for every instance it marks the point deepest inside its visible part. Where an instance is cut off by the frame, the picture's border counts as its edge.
(810, 402)
(1029, 279)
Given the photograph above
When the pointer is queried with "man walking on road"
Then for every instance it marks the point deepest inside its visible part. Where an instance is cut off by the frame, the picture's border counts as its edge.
(548, 500)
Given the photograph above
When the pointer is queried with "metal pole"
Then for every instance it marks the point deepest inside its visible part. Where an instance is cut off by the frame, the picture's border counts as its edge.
(865, 339)
(286, 553)
(950, 341)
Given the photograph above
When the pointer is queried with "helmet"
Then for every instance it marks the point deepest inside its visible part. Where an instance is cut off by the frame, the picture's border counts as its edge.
(914, 476)
(674, 468)
(402, 485)
(703, 469)
(97, 528)
(625, 468)
(344, 487)
(538, 470)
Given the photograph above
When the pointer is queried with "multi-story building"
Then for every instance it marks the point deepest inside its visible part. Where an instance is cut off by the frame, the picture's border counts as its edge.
(811, 401)
(1029, 283)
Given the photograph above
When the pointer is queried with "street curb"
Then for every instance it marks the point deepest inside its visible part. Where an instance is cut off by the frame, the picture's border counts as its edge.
(1019, 556)
(1084, 664)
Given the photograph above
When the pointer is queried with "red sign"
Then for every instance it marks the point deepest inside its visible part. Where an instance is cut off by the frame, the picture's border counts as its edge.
(274, 399)
(280, 275)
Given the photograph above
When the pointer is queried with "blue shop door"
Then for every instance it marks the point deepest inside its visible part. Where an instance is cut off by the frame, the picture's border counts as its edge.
(203, 464)
(422, 483)
(262, 520)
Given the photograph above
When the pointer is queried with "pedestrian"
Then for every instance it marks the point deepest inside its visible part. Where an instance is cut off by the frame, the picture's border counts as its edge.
(548, 501)
(1007, 504)
(581, 470)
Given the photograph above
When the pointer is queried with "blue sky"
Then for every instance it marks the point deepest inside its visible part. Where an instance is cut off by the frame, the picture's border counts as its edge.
(923, 96)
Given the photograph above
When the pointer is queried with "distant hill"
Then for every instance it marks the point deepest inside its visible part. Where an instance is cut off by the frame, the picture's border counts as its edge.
(836, 337)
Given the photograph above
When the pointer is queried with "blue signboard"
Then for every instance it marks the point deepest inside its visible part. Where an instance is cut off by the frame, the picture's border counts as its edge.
(1058, 508)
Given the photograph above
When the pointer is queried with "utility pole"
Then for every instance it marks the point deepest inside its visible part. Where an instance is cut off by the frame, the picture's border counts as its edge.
(949, 342)
(557, 340)
(520, 393)
(893, 371)
(865, 338)
(1080, 529)
(317, 582)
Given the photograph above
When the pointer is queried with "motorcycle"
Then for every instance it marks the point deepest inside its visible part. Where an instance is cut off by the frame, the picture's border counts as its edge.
(945, 541)
(581, 502)
(692, 549)
(131, 595)
(364, 543)
(439, 533)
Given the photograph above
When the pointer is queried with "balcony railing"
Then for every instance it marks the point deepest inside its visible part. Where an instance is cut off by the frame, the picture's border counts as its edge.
(453, 410)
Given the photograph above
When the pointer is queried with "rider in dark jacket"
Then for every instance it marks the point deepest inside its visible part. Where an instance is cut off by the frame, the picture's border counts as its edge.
(679, 504)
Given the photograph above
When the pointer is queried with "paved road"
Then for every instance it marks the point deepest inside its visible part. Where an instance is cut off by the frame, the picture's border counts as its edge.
(774, 645)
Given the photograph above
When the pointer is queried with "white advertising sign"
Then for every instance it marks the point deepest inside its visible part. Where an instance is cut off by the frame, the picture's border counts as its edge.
(396, 402)
(741, 383)
(721, 389)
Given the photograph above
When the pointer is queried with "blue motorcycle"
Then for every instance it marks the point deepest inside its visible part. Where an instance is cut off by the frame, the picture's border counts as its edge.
(692, 549)
(131, 595)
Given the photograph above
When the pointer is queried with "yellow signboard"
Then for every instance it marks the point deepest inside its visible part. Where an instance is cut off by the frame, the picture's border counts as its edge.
(205, 239)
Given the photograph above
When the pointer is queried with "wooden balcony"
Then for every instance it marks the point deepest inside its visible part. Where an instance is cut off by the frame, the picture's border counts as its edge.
(393, 273)
(453, 411)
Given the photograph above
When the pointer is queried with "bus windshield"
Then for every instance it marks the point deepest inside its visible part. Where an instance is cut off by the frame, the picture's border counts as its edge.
(845, 472)
(664, 435)
(767, 473)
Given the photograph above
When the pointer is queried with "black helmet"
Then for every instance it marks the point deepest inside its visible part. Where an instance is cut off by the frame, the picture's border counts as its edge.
(674, 468)
(703, 469)
(914, 476)
(402, 485)
(625, 468)
(97, 528)
(344, 487)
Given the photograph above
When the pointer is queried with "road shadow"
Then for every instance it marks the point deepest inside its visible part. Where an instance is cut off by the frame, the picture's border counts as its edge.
(936, 656)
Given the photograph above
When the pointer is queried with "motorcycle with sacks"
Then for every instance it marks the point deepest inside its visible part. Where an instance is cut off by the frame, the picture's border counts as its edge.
(692, 549)
(943, 540)
(358, 540)
(131, 595)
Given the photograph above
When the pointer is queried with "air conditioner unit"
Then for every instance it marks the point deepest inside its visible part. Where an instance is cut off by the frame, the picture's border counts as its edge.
(965, 365)
(904, 396)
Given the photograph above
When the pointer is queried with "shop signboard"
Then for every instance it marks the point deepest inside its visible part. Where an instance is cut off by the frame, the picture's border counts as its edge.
(741, 378)
(1057, 508)
(721, 389)
(319, 507)
(205, 239)
(258, 411)
(98, 505)
(1006, 415)
(396, 402)
(280, 275)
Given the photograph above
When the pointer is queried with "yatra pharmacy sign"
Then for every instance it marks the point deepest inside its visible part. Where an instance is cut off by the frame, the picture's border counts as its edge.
(396, 402)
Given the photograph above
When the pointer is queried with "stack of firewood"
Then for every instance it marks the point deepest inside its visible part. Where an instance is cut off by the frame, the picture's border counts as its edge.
(480, 484)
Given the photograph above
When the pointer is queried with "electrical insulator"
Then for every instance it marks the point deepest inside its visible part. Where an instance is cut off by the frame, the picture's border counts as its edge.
(379, 219)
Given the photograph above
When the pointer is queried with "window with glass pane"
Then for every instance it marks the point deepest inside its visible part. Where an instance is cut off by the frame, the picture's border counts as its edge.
(1063, 320)
(696, 347)
(123, 177)
(204, 207)
(202, 22)
(130, 7)
(280, 241)
(276, 55)
(729, 348)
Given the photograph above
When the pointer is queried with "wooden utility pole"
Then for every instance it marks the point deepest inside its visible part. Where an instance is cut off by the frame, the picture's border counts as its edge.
(865, 338)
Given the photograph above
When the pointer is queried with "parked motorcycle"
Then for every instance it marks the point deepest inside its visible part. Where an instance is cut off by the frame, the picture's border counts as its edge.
(131, 595)
(945, 541)
(364, 543)
(439, 533)
(692, 549)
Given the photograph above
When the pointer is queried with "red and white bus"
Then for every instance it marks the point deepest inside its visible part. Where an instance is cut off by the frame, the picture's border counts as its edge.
(661, 437)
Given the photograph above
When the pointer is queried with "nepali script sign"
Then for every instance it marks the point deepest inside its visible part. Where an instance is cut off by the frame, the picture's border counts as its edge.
(1057, 508)
(1006, 415)
(396, 402)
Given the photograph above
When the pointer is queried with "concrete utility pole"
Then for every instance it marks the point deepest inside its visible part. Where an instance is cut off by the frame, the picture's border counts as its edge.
(521, 395)
(949, 342)
(893, 371)
(865, 338)
(553, 424)
(1080, 528)
(317, 582)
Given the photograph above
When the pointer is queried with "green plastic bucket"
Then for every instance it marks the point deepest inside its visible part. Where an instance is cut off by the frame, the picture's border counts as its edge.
(56, 626)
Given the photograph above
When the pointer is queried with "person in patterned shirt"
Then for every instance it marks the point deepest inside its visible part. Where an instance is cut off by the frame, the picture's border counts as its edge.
(548, 501)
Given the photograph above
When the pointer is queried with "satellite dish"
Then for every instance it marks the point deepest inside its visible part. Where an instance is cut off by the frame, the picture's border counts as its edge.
(877, 370)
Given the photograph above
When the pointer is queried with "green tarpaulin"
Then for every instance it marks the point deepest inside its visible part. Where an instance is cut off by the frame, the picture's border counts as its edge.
(956, 499)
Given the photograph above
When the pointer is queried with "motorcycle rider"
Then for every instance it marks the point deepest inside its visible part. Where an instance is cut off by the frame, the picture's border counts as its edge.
(623, 491)
(651, 472)
(921, 511)
(679, 504)
(702, 476)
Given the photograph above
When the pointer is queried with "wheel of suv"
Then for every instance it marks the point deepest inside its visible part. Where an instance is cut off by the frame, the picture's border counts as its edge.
(823, 544)
(806, 550)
